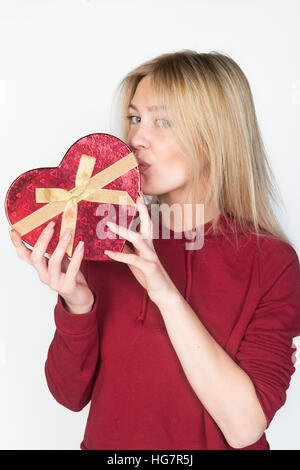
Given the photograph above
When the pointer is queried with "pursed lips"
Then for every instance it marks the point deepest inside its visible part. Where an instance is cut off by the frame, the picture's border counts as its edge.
(143, 166)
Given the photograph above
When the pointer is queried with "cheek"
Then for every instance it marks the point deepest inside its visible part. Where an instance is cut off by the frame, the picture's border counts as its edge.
(176, 170)
(180, 165)
(182, 173)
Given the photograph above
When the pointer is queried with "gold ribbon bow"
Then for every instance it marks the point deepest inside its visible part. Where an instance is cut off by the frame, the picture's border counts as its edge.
(86, 188)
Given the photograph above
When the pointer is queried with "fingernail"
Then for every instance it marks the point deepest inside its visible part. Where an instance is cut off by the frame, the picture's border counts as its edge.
(67, 234)
(80, 245)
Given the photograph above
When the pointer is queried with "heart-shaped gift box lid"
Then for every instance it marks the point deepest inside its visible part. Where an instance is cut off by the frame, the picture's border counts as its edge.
(98, 180)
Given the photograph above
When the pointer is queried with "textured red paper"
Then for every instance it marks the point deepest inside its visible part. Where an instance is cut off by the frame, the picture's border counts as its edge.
(107, 149)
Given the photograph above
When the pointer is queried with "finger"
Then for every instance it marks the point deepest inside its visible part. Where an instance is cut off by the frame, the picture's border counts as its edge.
(54, 265)
(135, 238)
(37, 258)
(146, 223)
(22, 251)
(132, 259)
(74, 264)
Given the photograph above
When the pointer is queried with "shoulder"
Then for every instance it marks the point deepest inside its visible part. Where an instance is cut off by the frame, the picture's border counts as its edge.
(274, 251)
(269, 248)
(278, 264)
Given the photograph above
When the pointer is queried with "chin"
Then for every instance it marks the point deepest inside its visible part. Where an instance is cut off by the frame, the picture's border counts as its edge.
(147, 188)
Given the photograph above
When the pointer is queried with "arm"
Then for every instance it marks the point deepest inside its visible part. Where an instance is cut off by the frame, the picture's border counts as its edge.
(221, 385)
(71, 365)
(73, 355)
(243, 395)
(225, 390)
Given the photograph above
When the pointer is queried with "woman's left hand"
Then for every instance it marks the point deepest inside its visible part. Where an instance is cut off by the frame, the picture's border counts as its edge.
(143, 260)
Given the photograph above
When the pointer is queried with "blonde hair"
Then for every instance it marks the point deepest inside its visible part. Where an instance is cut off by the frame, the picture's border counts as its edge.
(210, 107)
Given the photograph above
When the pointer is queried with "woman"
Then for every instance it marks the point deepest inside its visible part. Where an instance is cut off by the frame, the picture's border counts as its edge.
(181, 347)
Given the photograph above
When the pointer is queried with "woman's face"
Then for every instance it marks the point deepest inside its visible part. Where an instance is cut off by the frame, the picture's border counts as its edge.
(153, 141)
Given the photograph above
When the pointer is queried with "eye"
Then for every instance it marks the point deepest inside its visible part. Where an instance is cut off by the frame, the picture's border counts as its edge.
(165, 122)
(129, 118)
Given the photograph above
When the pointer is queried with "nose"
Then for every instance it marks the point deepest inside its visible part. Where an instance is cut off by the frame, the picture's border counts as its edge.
(140, 137)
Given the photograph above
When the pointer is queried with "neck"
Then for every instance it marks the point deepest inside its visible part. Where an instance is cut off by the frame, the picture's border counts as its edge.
(179, 215)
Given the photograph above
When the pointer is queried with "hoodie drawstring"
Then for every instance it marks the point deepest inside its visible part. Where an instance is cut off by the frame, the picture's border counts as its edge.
(188, 267)
(142, 315)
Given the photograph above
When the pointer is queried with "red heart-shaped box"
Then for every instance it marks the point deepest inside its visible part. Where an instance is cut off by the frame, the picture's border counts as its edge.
(107, 151)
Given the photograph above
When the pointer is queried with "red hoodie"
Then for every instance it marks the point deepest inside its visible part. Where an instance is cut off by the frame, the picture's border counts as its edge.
(119, 355)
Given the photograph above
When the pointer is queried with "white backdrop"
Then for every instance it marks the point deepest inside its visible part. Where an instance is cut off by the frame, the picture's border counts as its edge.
(60, 63)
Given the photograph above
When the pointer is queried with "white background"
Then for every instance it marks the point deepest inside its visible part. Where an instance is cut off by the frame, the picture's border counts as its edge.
(60, 63)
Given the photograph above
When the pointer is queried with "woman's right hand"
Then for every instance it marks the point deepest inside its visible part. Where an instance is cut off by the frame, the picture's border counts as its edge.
(60, 274)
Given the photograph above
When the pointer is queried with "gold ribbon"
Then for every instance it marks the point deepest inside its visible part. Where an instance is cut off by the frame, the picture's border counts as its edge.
(86, 188)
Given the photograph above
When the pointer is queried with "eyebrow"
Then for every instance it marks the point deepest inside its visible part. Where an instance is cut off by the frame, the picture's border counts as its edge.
(150, 108)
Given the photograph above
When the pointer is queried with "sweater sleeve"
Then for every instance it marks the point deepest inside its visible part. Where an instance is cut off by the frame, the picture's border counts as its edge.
(266, 352)
(73, 355)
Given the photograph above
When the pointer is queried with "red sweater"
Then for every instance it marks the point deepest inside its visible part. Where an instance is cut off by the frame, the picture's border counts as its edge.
(119, 355)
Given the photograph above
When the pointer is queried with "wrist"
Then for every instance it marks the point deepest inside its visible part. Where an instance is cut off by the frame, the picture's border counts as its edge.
(169, 300)
(79, 309)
